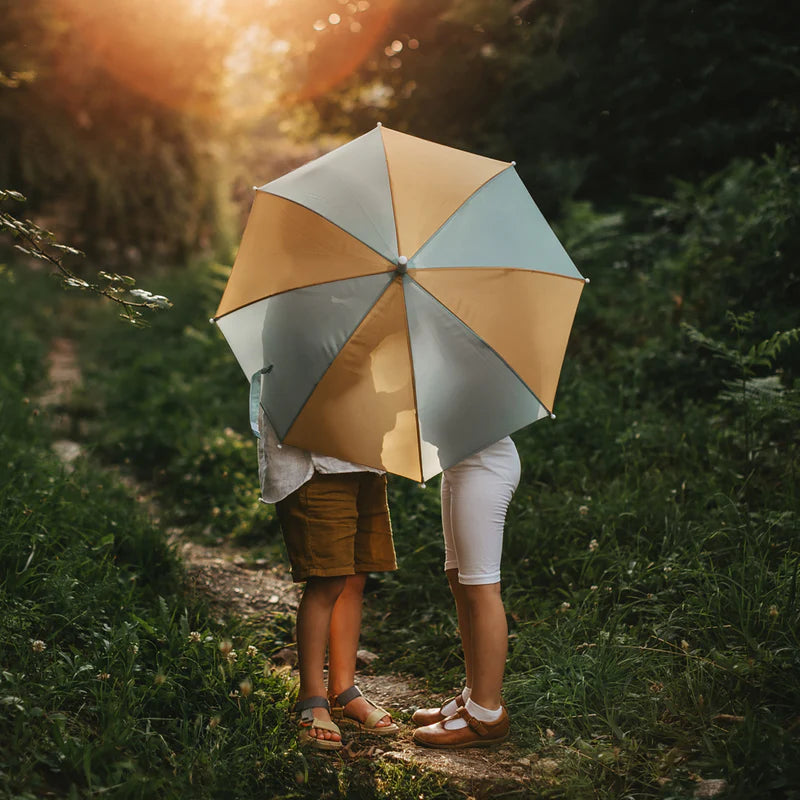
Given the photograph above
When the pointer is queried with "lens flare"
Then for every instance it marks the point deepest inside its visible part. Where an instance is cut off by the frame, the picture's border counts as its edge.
(340, 49)
(170, 52)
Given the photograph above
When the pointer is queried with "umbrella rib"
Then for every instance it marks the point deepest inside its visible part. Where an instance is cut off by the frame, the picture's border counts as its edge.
(455, 210)
(389, 262)
(578, 278)
(496, 354)
(298, 288)
(391, 198)
(302, 405)
(413, 377)
(335, 225)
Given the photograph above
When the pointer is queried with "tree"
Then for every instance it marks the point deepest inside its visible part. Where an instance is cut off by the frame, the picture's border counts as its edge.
(111, 134)
(594, 100)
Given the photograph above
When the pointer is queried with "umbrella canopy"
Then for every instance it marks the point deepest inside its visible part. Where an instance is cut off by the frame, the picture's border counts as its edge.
(409, 301)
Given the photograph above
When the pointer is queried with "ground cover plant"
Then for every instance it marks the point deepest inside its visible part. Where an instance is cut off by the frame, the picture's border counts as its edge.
(650, 567)
(652, 552)
(113, 679)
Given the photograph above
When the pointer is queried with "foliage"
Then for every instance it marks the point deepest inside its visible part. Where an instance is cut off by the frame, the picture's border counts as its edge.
(172, 414)
(105, 133)
(41, 244)
(727, 244)
(593, 100)
(761, 408)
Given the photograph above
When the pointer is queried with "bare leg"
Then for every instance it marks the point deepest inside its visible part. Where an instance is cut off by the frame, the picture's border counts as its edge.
(464, 624)
(487, 642)
(313, 623)
(345, 630)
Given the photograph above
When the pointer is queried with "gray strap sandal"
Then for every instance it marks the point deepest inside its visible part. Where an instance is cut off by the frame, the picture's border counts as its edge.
(307, 721)
(370, 724)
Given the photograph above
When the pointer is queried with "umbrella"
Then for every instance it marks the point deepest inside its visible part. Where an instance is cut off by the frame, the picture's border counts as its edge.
(406, 303)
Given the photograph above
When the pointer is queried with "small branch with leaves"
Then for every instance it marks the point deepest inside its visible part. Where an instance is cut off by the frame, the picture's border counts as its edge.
(39, 243)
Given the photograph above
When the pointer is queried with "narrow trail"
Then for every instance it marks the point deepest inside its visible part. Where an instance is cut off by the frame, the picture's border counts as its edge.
(236, 586)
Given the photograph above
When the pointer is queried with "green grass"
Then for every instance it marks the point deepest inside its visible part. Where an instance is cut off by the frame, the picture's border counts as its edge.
(113, 679)
(651, 556)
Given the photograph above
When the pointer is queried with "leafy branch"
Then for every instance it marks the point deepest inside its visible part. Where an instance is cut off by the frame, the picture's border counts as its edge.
(39, 243)
(760, 397)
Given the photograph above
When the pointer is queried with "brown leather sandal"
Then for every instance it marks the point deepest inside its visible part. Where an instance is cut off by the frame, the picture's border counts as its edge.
(428, 716)
(476, 733)
(307, 721)
(369, 725)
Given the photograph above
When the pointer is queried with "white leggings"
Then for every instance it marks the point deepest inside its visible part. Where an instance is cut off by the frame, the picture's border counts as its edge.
(475, 497)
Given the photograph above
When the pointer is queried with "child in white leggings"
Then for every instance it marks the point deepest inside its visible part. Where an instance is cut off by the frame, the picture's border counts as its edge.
(476, 494)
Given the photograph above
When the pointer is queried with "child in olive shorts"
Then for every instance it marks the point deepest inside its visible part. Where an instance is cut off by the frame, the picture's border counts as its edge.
(335, 523)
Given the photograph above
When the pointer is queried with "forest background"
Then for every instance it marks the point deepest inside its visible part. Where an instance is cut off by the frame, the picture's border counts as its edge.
(651, 559)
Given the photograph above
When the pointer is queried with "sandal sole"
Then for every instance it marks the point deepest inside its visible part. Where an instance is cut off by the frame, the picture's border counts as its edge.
(320, 744)
(380, 730)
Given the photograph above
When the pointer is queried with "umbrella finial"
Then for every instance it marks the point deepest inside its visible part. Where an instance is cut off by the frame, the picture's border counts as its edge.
(402, 262)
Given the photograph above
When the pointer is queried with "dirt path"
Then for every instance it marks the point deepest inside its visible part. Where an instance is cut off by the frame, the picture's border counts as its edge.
(235, 585)
(255, 591)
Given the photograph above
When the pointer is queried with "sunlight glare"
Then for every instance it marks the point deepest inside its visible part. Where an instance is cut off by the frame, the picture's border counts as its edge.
(211, 9)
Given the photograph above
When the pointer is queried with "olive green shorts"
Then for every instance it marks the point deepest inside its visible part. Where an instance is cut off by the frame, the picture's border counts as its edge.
(338, 524)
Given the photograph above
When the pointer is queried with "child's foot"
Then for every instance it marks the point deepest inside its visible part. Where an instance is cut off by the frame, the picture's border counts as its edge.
(474, 733)
(352, 707)
(315, 732)
(317, 728)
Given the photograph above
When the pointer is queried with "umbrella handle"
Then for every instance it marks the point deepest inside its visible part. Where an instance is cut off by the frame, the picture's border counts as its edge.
(255, 397)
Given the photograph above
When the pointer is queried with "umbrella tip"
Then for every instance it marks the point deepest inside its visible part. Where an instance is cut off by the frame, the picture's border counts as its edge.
(211, 320)
(587, 280)
(423, 485)
(513, 163)
(552, 415)
(378, 124)
(255, 188)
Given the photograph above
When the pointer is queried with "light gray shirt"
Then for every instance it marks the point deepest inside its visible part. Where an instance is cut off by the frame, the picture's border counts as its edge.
(282, 468)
